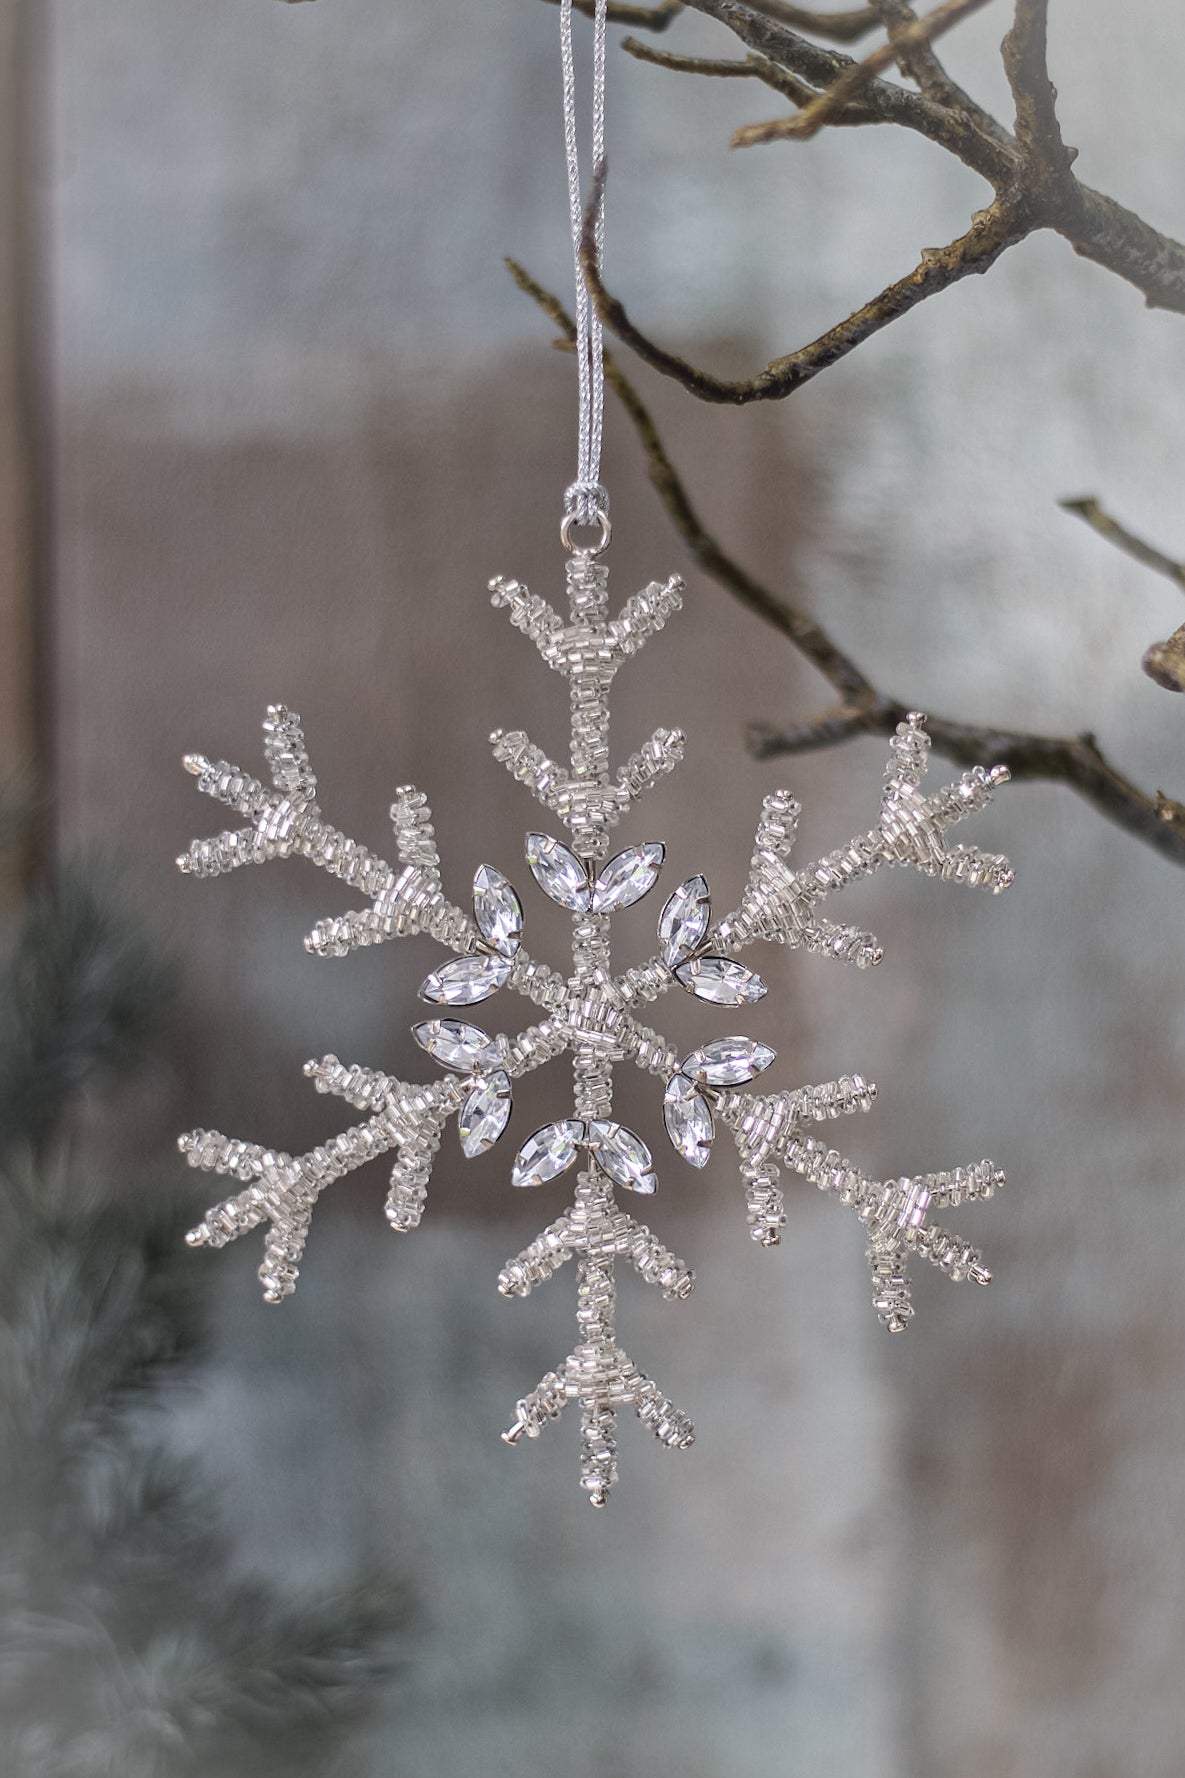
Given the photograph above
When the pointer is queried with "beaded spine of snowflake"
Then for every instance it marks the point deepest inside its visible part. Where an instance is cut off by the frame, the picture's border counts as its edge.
(592, 1014)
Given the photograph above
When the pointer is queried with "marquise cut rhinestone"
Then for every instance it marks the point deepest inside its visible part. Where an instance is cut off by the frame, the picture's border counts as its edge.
(728, 1062)
(456, 1045)
(628, 877)
(721, 981)
(683, 923)
(689, 1121)
(559, 873)
(497, 910)
(466, 980)
(623, 1155)
(548, 1153)
(485, 1113)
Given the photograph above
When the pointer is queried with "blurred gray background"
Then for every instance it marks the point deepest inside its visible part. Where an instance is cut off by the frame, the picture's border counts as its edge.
(300, 417)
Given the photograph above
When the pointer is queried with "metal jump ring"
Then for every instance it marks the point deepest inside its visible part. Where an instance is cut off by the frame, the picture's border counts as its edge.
(586, 549)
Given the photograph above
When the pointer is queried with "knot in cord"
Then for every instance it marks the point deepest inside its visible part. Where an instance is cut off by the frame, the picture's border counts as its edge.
(586, 503)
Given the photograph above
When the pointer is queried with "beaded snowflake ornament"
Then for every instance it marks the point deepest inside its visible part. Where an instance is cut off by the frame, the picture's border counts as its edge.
(592, 1014)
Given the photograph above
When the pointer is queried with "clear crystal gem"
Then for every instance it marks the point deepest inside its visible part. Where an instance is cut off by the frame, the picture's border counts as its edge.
(684, 920)
(728, 1061)
(466, 980)
(627, 877)
(456, 1045)
(497, 910)
(559, 873)
(720, 981)
(548, 1153)
(624, 1156)
(485, 1113)
(688, 1117)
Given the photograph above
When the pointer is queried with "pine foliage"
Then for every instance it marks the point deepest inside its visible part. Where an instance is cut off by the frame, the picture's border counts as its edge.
(130, 1647)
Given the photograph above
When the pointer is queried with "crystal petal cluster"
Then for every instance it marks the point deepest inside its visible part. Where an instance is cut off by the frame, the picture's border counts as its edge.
(592, 1013)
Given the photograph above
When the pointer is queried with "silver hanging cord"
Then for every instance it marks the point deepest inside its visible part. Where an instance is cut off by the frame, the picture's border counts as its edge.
(586, 502)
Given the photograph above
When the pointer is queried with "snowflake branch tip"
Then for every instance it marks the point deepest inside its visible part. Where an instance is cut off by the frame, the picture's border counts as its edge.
(765, 1207)
(529, 765)
(895, 1214)
(528, 613)
(891, 1296)
(669, 1424)
(406, 904)
(948, 1254)
(415, 837)
(661, 754)
(963, 1185)
(782, 906)
(284, 1189)
(657, 1264)
(212, 1152)
(762, 1123)
(645, 614)
(602, 1381)
(602, 1235)
(536, 1263)
(909, 752)
(912, 826)
(287, 757)
(285, 822)
(834, 1098)
(364, 1088)
(545, 1402)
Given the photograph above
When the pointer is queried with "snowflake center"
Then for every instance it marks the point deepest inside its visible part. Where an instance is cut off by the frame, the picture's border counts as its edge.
(593, 1015)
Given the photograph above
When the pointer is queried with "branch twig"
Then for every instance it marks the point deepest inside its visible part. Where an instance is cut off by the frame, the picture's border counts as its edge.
(1076, 761)
(1030, 173)
(753, 67)
(808, 637)
(1163, 661)
(1037, 131)
(1086, 507)
(919, 60)
(836, 27)
(852, 82)
(639, 18)
(990, 233)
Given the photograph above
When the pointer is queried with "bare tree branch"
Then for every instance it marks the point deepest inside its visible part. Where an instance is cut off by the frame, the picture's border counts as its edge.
(1086, 507)
(1037, 132)
(753, 67)
(1029, 173)
(852, 82)
(918, 60)
(1076, 761)
(1163, 661)
(808, 637)
(990, 233)
(836, 27)
(984, 146)
(639, 18)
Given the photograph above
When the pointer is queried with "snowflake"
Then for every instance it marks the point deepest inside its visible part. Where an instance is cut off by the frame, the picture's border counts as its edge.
(593, 1014)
